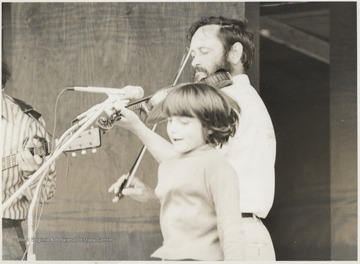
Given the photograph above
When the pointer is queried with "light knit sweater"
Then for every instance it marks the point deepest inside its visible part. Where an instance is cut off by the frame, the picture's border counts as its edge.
(200, 215)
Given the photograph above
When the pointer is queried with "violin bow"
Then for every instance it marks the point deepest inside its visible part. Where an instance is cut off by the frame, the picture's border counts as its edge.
(130, 175)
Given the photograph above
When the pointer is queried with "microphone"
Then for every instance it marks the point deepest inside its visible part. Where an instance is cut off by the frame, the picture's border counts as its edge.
(128, 92)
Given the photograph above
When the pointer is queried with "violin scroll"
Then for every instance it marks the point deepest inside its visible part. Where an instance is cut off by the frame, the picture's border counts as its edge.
(144, 105)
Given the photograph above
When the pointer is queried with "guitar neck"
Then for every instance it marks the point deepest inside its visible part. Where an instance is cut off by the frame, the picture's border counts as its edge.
(12, 160)
(9, 162)
(88, 139)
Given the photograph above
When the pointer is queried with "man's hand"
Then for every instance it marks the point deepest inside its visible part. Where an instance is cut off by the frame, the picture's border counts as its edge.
(29, 163)
(139, 191)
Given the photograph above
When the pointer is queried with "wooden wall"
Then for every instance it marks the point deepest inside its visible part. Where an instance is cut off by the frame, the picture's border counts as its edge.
(50, 46)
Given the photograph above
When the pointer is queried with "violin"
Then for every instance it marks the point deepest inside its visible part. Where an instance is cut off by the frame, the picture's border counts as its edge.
(150, 105)
(219, 79)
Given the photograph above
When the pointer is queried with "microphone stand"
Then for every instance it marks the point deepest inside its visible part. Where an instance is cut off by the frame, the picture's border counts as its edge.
(40, 173)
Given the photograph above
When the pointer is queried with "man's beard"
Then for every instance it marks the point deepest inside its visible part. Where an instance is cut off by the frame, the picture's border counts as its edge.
(201, 73)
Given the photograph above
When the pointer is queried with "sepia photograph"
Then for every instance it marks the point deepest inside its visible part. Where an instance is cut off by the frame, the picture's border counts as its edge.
(179, 131)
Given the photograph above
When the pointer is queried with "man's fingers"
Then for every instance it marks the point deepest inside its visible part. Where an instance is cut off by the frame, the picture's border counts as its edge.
(38, 159)
(36, 143)
(26, 157)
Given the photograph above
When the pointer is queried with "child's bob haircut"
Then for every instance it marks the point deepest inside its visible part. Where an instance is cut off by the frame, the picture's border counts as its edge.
(217, 112)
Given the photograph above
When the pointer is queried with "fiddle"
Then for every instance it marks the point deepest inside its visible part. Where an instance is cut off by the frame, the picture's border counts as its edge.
(219, 79)
(144, 105)
(150, 105)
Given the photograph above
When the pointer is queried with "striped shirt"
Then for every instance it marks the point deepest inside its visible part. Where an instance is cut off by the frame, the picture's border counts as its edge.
(17, 128)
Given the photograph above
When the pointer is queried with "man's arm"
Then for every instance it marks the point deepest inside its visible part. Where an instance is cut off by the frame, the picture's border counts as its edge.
(28, 164)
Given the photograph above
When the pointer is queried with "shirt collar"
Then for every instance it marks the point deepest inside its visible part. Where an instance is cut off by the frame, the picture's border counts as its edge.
(241, 78)
(5, 106)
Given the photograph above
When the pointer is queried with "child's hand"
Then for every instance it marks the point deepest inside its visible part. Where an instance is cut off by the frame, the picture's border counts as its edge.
(138, 191)
(129, 119)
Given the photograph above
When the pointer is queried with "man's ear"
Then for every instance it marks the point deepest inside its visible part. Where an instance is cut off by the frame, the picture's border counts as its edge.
(235, 53)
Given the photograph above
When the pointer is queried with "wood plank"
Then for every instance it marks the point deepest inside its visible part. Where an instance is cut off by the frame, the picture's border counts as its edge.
(294, 38)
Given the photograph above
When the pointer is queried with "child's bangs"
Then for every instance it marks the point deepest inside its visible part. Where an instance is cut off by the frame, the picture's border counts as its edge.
(179, 103)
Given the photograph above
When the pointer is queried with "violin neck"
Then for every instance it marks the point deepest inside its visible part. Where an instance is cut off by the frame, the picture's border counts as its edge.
(140, 105)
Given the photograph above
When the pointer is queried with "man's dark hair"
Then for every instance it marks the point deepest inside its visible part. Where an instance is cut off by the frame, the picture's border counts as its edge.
(5, 73)
(231, 31)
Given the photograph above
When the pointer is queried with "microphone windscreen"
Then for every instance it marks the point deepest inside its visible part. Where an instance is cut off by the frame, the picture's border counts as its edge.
(133, 92)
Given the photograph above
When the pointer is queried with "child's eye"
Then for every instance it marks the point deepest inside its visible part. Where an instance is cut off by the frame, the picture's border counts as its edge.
(184, 120)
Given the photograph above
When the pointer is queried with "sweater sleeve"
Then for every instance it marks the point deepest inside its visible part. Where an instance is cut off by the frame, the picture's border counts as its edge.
(223, 184)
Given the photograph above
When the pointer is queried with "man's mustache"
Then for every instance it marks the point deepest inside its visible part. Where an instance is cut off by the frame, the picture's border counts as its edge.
(200, 74)
(200, 69)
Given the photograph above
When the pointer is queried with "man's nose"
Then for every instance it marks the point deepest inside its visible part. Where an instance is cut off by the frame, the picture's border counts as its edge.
(195, 61)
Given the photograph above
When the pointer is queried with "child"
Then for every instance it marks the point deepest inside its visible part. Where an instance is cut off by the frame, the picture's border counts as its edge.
(198, 190)
(200, 215)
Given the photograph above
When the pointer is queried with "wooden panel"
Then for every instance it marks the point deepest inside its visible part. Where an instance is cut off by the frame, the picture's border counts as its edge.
(54, 45)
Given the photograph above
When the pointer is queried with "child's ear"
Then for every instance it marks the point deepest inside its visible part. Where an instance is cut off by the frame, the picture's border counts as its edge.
(207, 132)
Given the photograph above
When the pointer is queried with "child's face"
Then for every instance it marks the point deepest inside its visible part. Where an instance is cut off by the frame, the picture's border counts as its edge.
(185, 133)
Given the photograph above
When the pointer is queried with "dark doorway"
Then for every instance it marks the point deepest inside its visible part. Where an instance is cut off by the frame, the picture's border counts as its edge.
(295, 89)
